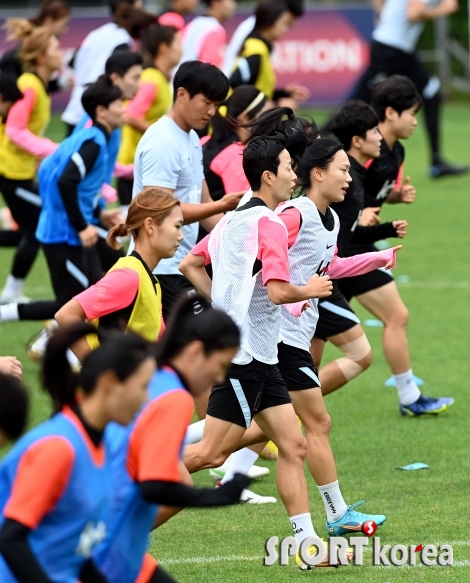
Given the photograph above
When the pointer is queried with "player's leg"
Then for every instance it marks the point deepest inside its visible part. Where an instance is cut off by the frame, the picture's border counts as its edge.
(386, 304)
(219, 439)
(301, 377)
(25, 205)
(339, 324)
(429, 88)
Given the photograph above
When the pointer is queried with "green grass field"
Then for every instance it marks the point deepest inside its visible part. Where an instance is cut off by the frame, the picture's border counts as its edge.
(369, 437)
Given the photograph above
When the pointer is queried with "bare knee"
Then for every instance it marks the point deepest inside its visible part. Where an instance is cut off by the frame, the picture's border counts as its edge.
(295, 447)
(319, 425)
(398, 318)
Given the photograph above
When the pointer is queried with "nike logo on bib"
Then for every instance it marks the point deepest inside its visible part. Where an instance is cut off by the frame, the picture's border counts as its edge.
(329, 246)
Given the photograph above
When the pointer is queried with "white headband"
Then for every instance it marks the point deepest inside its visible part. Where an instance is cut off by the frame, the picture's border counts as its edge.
(256, 101)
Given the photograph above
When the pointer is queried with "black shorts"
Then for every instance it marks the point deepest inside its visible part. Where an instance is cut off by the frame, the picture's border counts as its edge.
(247, 390)
(361, 284)
(173, 287)
(385, 61)
(297, 368)
(335, 315)
(23, 200)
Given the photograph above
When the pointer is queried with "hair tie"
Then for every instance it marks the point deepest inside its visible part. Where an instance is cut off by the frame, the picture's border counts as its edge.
(222, 111)
(256, 101)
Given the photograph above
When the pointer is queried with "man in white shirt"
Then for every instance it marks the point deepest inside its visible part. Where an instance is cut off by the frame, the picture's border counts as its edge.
(169, 157)
(393, 52)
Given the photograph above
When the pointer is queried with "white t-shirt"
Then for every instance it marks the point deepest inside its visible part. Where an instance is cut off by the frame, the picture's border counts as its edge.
(236, 42)
(89, 64)
(169, 157)
(395, 30)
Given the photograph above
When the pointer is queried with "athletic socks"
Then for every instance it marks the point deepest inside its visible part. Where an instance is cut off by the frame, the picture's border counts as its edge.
(302, 526)
(13, 287)
(408, 391)
(335, 505)
(240, 463)
(194, 432)
(9, 312)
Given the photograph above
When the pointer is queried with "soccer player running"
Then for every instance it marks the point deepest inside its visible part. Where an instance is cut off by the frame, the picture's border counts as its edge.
(169, 157)
(70, 181)
(194, 352)
(248, 252)
(205, 37)
(162, 47)
(129, 295)
(393, 51)
(56, 484)
(254, 65)
(128, 24)
(23, 145)
(377, 291)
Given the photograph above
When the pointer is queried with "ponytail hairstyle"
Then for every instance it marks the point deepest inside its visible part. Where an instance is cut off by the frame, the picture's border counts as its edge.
(245, 99)
(282, 120)
(14, 403)
(319, 153)
(194, 319)
(134, 20)
(52, 9)
(156, 36)
(34, 40)
(118, 352)
(153, 203)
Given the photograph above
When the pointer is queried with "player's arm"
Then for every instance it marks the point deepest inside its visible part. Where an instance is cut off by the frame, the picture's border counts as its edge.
(50, 463)
(418, 10)
(363, 263)
(193, 267)
(138, 107)
(246, 71)
(272, 252)
(79, 165)
(155, 447)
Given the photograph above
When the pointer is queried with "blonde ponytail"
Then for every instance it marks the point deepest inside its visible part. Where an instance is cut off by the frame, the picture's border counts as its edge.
(34, 40)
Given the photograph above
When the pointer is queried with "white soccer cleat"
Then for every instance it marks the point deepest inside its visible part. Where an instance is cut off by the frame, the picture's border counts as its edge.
(249, 497)
(37, 348)
(255, 472)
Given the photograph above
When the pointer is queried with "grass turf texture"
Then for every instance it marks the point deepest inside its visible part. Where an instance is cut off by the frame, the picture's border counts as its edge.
(369, 438)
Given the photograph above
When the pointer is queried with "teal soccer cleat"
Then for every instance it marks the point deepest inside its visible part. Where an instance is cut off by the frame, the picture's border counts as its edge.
(352, 521)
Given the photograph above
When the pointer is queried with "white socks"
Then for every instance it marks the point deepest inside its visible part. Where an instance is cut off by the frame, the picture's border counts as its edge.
(408, 391)
(9, 312)
(240, 462)
(194, 432)
(302, 526)
(335, 505)
(12, 287)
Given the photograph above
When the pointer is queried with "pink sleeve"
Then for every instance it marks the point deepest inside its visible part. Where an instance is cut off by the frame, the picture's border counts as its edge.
(172, 19)
(109, 193)
(138, 107)
(202, 248)
(124, 170)
(291, 218)
(212, 48)
(204, 140)
(359, 264)
(228, 164)
(115, 291)
(272, 250)
(17, 127)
